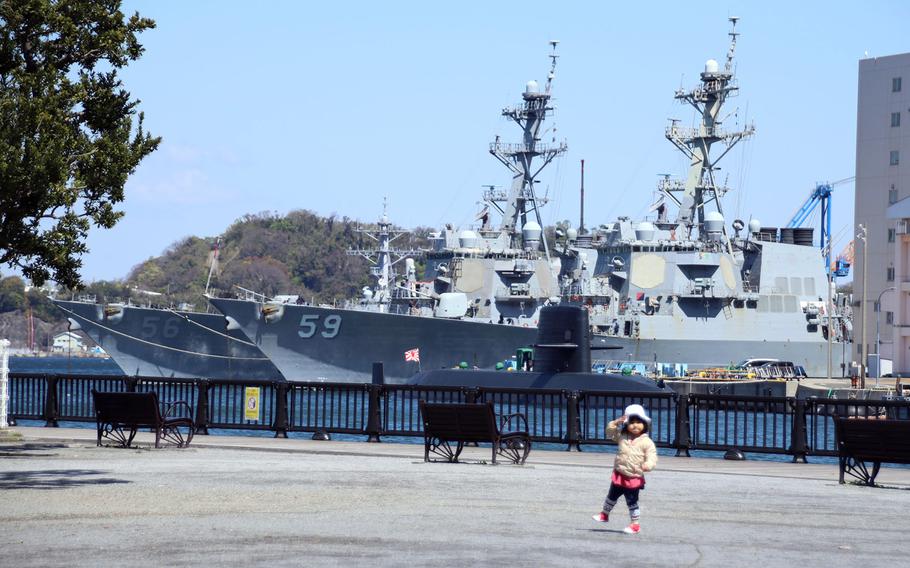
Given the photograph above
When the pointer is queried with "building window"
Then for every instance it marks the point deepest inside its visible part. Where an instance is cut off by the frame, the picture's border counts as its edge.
(892, 195)
(895, 119)
(889, 275)
(889, 318)
(895, 157)
(891, 235)
(896, 85)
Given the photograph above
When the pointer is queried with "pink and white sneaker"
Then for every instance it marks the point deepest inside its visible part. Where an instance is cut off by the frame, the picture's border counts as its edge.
(634, 528)
(601, 517)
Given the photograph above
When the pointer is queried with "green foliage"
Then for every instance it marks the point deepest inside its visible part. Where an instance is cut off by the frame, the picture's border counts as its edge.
(42, 307)
(301, 253)
(13, 297)
(12, 294)
(298, 253)
(68, 140)
(103, 291)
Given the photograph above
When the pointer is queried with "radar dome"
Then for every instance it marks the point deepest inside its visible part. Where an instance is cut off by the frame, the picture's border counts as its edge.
(530, 234)
(644, 231)
(531, 87)
(711, 66)
(754, 226)
(714, 222)
(531, 228)
(571, 233)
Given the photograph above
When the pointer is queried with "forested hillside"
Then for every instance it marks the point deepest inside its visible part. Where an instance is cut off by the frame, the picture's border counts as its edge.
(298, 253)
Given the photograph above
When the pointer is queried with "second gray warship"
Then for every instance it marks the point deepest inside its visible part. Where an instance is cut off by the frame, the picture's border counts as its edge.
(684, 290)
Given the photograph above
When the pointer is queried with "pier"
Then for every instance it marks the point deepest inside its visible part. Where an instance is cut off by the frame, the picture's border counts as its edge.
(258, 501)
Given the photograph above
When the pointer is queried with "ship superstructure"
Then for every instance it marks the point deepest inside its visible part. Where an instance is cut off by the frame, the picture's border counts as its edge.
(685, 290)
(383, 259)
(477, 301)
(503, 273)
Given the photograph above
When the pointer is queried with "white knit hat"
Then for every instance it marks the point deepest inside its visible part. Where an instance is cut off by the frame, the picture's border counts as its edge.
(639, 411)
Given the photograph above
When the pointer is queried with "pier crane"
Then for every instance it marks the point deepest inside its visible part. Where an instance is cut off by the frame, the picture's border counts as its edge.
(844, 260)
(821, 195)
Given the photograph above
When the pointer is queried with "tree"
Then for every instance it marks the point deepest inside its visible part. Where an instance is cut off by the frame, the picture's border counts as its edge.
(69, 132)
(264, 275)
(12, 294)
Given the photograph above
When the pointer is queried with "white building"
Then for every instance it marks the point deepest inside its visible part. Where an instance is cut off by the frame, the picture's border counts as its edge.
(67, 342)
(882, 180)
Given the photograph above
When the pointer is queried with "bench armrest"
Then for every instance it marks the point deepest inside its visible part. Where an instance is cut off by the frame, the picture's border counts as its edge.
(506, 419)
(170, 411)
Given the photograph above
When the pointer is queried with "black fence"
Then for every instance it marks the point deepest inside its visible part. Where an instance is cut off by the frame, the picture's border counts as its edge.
(774, 425)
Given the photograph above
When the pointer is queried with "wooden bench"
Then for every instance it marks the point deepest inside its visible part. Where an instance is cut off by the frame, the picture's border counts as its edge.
(861, 440)
(447, 424)
(120, 414)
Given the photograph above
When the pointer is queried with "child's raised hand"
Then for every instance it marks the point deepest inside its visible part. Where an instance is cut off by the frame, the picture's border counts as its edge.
(621, 418)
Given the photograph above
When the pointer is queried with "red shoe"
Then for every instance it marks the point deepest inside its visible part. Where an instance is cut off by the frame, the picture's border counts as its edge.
(634, 528)
(601, 517)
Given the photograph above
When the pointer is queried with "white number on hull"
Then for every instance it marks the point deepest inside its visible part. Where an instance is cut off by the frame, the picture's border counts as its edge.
(332, 325)
(309, 324)
(152, 324)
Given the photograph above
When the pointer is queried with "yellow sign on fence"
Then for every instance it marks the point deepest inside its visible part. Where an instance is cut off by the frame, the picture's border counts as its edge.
(251, 397)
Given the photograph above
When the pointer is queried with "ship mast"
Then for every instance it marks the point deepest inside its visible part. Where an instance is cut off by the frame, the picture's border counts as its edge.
(521, 199)
(700, 186)
(383, 257)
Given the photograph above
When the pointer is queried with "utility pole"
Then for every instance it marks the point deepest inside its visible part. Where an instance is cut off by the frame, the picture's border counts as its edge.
(830, 310)
(861, 235)
(878, 341)
(4, 382)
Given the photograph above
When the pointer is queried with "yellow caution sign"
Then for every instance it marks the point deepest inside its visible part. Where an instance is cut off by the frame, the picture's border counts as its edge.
(251, 397)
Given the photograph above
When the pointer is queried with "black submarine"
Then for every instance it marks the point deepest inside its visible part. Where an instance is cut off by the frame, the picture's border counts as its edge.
(561, 360)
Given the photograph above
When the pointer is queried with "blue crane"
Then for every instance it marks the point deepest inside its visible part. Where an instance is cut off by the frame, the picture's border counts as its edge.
(820, 195)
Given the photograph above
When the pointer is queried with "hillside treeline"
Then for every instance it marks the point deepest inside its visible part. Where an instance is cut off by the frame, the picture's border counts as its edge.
(298, 253)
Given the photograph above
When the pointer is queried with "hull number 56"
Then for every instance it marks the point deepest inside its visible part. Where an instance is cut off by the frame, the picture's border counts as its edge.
(309, 325)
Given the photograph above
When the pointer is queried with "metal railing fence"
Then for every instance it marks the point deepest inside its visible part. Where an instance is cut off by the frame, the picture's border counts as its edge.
(759, 424)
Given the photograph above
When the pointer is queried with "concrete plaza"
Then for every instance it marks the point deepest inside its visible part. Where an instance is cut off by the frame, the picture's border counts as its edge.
(260, 501)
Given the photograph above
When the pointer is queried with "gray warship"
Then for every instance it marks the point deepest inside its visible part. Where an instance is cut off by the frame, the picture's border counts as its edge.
(477, 302)
(153, 342)
(686, 290)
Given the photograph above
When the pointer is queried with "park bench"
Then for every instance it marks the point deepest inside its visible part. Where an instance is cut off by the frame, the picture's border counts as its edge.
(460, 424)
(861, 440)
(120, 414)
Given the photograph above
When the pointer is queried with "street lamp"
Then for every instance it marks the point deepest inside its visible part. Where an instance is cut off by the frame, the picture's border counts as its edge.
(878, 316)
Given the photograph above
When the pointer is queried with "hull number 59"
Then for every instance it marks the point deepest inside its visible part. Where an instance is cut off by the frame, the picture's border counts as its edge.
(309, 325)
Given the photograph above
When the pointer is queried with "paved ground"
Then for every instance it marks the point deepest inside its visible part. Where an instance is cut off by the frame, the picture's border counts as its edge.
(243, 501)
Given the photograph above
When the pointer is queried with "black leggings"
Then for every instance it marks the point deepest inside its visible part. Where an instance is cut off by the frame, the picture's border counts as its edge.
(631, 496)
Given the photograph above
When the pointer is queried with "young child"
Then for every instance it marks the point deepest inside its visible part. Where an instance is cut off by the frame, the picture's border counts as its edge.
(635, 455)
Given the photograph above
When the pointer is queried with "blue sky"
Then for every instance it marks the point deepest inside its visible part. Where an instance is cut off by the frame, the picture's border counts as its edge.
(333, 106)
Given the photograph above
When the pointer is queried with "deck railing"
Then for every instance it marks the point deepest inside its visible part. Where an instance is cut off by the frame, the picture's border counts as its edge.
(758, 424)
